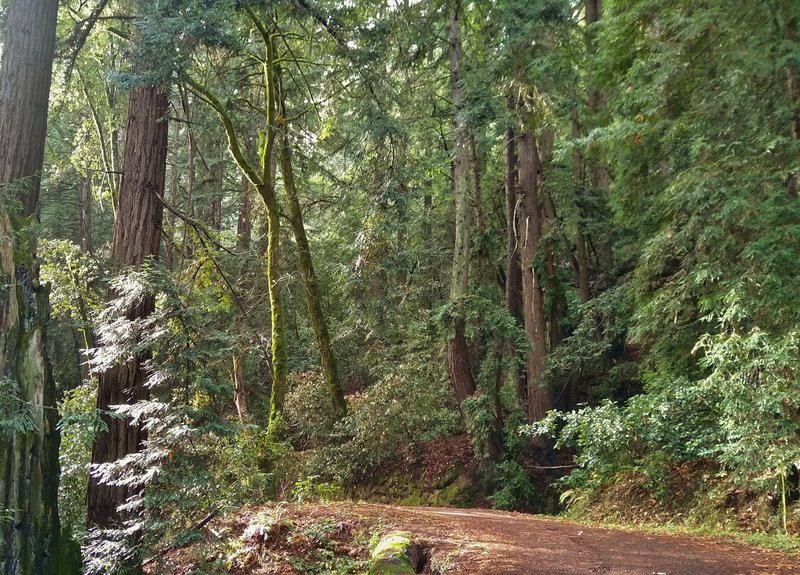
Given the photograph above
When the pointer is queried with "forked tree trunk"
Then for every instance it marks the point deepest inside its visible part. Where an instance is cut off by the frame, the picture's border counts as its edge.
(29, 469)
(457, 348)
(137, 235)
(330, 370)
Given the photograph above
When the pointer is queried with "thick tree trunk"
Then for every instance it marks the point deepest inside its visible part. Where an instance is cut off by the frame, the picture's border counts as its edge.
(513, 291)
(330, 371)
(457, 347)
(530, 227)
(137, 235)
(279, 368)
(29, 469)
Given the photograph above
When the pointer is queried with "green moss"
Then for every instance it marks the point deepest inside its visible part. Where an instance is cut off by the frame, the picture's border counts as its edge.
(394, 555)
(454, 491)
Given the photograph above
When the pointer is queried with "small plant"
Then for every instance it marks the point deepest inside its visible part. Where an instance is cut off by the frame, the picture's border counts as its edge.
(312, 489)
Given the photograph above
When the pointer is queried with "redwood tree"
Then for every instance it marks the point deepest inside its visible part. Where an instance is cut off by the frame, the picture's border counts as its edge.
(137, 234)
(29, 467)
(458, 348)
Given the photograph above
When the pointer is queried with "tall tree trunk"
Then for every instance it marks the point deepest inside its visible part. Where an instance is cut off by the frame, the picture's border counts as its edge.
(29, 470)
(330, 371)
(598, 171)
(243, 233)
(457, 348)
(137, 235)
(513, 291)
(169, 229)
(262, 177)
(186, 245)
(530, 227)
(581, 251)
(278, 325)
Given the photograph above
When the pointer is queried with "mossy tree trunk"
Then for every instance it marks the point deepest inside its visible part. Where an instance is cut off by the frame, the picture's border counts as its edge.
(29, 469)
(330, 371)
(137, 236)
(262, 177)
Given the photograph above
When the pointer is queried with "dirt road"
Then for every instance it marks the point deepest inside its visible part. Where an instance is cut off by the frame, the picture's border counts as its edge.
(482, 542)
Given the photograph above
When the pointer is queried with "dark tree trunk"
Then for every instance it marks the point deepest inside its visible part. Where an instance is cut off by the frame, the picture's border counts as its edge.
(29, 469)
(578, 179)
(458, 353)
(137, 235)
(530, 229)
(513, 291)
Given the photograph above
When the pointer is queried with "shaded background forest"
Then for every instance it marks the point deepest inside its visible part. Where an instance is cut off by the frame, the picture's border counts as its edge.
(551, 243)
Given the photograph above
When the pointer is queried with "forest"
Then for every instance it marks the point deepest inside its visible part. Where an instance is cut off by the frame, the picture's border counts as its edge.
(528, 255)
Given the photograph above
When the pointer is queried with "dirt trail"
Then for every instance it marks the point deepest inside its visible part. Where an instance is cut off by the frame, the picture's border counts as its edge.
(478, 542)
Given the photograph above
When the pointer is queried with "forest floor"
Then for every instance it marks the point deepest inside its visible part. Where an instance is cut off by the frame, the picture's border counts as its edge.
(335, 539)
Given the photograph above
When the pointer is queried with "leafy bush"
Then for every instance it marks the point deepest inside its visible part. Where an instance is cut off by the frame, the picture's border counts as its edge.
(408, 406)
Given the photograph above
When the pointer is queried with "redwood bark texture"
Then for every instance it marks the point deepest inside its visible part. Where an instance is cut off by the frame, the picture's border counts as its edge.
(137, 234)
(530, 227)
(513, 287)
(28, 459)
(458, 351)
(29, 469)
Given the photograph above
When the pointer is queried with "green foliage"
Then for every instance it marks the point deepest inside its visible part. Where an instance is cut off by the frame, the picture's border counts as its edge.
(79, 424)
(15, 410)
(516, 491)
(403, 409)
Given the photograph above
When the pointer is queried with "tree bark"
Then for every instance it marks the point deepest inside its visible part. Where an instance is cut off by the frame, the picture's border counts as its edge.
(457, 348)
(330, 371)
(244, 225)
(137, 235)
(530, 226)
(513, 291)
(29, 469)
